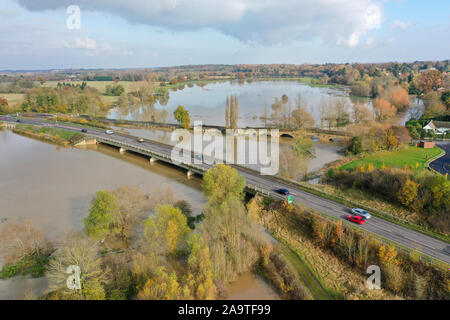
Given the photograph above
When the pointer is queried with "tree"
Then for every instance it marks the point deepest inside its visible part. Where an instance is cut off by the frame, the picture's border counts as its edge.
(430, 80)
(355, 146)
(168, 228)
(361, 113)
(391, 140)
(408, 192)
(446, 98)
(182, 116)
(200, 267)
(303, 145)
(384, 109)
(19, 240)
(399, 98)
(233, 111)
(227, 114)
(129, 208)
(222, 182)
(100, 220)
(302, 119)
(81, 252)
(162, 286)
(231, 237)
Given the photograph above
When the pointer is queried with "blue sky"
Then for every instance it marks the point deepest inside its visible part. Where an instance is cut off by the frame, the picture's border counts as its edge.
(138, 33)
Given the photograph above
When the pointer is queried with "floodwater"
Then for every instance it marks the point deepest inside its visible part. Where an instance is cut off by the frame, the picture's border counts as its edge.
(249, 286)
(54, 186)
(207, 102)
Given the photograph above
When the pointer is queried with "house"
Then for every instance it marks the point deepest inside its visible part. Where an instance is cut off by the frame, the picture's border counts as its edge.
(438, 127)
(426, 144)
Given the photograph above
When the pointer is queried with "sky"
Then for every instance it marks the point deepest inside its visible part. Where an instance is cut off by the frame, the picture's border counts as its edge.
(60, 34)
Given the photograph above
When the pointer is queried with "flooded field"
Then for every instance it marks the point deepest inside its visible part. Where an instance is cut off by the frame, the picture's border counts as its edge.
(207, 102)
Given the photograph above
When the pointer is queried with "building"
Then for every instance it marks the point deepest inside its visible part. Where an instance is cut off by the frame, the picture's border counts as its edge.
(426, 144)
(438, 127)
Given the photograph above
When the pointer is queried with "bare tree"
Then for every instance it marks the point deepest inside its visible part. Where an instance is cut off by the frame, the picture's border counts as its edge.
(21, 239)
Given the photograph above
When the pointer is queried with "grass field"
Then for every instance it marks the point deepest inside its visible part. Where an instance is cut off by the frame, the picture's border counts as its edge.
(410, 156)
(63, 134)
(99, 85)
(13, 98)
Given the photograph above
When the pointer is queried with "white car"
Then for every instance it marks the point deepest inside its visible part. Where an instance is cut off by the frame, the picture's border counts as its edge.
(109, 132)
(361, 213)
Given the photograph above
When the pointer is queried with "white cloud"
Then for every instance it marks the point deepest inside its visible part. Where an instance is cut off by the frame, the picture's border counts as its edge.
(79, 43)
(398, 24)
(252, 21)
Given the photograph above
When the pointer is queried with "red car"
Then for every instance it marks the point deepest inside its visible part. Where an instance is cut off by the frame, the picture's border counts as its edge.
(356, 219)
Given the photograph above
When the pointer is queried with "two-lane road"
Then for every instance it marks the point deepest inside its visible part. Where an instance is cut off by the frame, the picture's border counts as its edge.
(412, 239)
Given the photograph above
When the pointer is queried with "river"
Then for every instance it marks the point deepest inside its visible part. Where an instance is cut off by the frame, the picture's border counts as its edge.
(54, 186)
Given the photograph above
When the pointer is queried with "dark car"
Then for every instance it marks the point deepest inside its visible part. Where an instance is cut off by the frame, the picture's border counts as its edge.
(18, 120)
(356, 219)
(83, 130)
(283, 191)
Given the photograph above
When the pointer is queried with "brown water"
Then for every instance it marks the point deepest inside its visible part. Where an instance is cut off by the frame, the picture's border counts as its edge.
(251, 287)
(54, 186)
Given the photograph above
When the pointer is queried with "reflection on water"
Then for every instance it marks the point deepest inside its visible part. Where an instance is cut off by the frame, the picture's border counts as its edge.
(207, 102)
(251, 287)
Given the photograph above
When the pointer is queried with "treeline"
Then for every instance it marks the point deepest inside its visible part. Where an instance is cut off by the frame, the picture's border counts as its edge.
(404, 274)
(63, 99)
(17, 86)
(377, 137)
(426, 194)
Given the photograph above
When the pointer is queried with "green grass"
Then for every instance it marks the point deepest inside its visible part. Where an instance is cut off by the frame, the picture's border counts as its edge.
(63, 134)
(36, 266)
(410, 156)
(305, 273)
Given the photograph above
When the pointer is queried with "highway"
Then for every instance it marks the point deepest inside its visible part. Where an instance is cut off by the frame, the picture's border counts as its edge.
(412, 239)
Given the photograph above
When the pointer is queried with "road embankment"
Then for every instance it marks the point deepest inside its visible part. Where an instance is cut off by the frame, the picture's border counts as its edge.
(56, 136)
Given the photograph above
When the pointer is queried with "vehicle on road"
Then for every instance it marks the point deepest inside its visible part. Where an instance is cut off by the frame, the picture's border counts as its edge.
(356, 219)
(109, 132)
(361, 212)
(140, 140)
(18, 120)
(283, 191)
(83, 130)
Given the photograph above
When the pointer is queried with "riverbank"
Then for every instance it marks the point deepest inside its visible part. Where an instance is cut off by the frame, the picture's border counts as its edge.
(57, 136)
